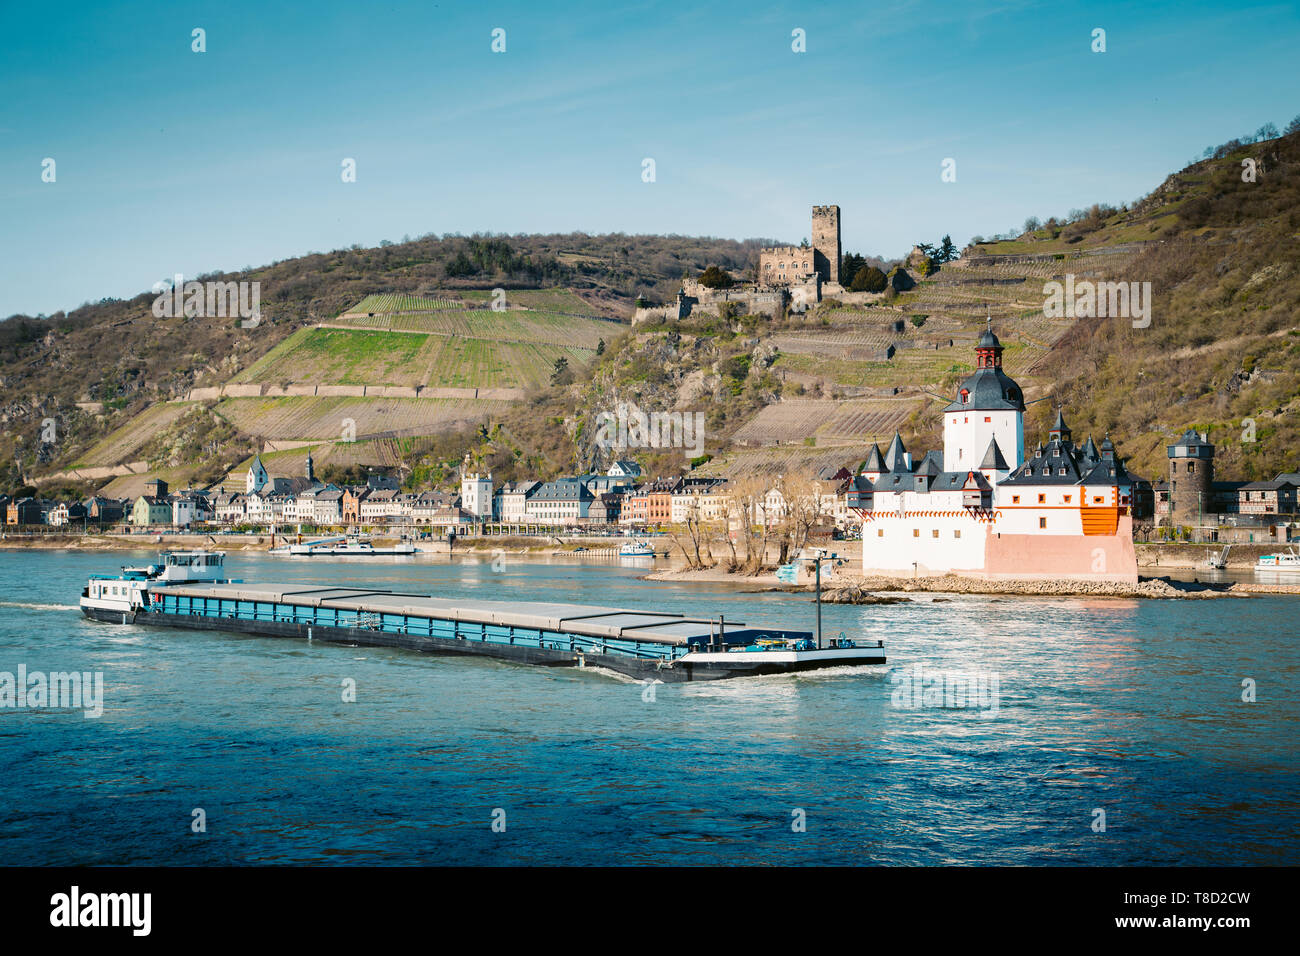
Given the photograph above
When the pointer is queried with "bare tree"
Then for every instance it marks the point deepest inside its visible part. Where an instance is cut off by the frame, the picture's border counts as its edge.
(690, 534)
(744, 510)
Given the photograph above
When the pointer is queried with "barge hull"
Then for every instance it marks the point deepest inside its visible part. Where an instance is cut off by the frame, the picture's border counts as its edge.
(668, 672)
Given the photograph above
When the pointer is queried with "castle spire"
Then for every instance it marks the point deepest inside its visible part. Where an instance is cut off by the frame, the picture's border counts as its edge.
(1060, 431)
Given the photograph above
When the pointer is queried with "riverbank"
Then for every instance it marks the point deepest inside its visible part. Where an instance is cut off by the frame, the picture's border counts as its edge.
(235, 543)
(1191, 557)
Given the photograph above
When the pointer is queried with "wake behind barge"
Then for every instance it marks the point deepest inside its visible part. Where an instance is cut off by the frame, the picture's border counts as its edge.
(640, 644)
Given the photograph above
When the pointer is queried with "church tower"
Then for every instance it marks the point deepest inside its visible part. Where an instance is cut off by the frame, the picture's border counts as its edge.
(256, 476)
(989, 407)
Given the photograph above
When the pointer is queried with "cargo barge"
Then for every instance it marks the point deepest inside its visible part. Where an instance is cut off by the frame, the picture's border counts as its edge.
(639, 644)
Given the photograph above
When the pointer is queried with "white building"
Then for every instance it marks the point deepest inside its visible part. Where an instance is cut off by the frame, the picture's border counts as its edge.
(513, 501)
(476, 493)
(564, 502)
(982, 508)
(231, 509)
(379, 507)
(327, 506)
(185, 511)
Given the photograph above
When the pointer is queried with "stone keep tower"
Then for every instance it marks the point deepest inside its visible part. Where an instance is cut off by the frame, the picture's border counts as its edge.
(826, 242)
(1191, 479)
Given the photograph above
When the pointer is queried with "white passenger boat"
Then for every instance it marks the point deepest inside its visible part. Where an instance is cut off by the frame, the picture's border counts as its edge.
(117, 597)
(350, 546)
(636, 549)
(1287, 561)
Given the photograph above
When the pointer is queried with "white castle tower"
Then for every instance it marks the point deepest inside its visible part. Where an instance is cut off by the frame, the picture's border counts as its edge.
(989, 409)
(475, 492)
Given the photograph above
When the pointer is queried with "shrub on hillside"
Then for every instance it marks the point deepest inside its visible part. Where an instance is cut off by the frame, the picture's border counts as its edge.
(899, 280)
(715, 278)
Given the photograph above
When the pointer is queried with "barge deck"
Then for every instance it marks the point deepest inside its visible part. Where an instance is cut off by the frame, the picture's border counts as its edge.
(639, 644)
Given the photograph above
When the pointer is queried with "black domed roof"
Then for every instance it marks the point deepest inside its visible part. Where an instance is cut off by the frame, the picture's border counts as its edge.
(989, 389)
(988, 341)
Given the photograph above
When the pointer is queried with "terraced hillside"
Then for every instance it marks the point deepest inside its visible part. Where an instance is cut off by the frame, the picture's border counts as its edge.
(421, 342)
(301, 418)
(520, 326)
(827, 422)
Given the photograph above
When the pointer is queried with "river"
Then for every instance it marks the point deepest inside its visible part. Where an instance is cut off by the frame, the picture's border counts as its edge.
(1112, 732)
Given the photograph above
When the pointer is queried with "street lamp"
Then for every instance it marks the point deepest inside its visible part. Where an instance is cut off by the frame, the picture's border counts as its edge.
(817, 558)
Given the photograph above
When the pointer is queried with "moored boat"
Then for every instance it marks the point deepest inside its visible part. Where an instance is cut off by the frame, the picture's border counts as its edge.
(1286, 561)
(343, 546)
(636, 549)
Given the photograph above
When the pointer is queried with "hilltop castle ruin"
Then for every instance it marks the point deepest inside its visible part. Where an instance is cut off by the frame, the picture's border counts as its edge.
(788, 277)
(791, 265)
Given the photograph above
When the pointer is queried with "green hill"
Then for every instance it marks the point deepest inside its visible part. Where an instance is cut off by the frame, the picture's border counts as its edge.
(403, 340)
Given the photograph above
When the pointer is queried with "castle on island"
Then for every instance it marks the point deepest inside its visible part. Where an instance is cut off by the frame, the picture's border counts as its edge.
(981, 507)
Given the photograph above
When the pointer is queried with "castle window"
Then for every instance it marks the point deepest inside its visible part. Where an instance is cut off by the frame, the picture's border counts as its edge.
(916, 532)
(934, 533)
(965, 395)
(1097, 499)
(1042, 499)
(1015, 499)
(1191, 467)
(956, 533)
(880, 532)
(1042, 522)
(1067, 499)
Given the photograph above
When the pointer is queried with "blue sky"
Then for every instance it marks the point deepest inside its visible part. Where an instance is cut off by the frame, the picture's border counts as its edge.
(173, 161)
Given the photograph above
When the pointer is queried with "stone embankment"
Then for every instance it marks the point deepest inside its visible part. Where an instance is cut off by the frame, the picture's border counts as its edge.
(856, 589)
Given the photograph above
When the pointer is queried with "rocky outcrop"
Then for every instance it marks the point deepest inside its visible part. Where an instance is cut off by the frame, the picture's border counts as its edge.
(958, 584)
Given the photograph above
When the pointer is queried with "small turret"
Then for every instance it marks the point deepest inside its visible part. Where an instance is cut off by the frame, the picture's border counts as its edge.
(897, 458)
(1060, 431)
(875, 466)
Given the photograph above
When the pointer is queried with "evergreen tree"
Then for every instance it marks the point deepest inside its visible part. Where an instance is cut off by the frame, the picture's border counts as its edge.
(868, 279)
(561, 375)
(849, 267)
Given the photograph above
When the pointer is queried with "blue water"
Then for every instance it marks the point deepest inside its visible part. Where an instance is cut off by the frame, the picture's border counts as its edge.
(1132, 707)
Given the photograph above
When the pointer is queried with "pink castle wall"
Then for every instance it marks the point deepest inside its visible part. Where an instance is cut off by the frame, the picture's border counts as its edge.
(1072, 557)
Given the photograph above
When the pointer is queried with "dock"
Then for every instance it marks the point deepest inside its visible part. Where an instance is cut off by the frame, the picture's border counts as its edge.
(641, 644)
